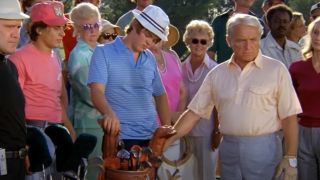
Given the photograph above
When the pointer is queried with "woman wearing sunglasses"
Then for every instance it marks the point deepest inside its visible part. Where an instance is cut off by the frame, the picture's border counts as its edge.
(109, 32)
(86, 18)
(198, 38)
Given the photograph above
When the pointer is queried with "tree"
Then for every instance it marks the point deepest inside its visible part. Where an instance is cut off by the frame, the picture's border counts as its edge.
(303, 7)
(181, 12)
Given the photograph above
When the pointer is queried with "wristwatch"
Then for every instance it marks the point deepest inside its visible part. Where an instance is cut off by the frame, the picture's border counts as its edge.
(293, 162)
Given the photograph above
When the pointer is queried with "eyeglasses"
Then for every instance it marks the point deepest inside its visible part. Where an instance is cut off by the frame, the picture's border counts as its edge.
(107, 36)
(88, 27)
(196, 41)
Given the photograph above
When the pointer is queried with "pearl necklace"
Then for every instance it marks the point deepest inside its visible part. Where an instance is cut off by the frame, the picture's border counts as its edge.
(195, 79)
(161, 66)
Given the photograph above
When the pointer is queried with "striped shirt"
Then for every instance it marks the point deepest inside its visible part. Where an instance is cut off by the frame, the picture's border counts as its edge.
(130, 87)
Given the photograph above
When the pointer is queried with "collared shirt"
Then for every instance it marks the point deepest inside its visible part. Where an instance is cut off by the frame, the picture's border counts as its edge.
(83, 114)
(130, 86)
(288, 55)
(251, 101)
(193, 81)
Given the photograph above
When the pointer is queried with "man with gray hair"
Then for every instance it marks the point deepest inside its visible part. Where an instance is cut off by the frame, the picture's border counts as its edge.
(13, 132)
(254, 99)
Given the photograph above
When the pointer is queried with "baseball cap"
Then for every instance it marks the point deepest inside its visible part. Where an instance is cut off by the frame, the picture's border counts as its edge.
(50, 12)
(155, 20)
(11, 9)
(314, 7)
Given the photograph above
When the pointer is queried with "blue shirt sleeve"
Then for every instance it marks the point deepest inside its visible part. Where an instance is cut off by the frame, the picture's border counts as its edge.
(157, 85)
(98, 71)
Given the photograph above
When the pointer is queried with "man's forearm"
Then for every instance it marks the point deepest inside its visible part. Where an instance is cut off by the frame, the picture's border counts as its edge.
(100, 103)
(290, 131)
(183, 126)
(67, 123)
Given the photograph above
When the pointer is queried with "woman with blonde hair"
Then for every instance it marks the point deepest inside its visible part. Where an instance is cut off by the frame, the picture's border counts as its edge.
(86, 18)
(297, 27)
(108, 32)
(306, 80)
(198, 38)
(169, 67)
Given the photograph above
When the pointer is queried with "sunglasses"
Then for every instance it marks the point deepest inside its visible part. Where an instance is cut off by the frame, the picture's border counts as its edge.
(107, 36)
(88, 27)
(197, 41)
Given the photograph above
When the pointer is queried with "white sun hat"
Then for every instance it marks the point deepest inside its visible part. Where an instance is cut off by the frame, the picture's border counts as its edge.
(11, 9)
(155, 20)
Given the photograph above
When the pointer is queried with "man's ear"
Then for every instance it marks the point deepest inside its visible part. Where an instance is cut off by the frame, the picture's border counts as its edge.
(228, 39)
(39, 31)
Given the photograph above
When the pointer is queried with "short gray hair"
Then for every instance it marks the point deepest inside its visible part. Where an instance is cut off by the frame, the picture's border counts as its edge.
(243, 19)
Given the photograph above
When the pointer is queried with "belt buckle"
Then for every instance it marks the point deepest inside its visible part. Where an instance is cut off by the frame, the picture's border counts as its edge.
(22, 153)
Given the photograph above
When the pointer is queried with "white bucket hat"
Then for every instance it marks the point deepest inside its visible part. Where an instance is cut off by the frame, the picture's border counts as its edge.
(314, 7)
(11, 9)
(155, 20)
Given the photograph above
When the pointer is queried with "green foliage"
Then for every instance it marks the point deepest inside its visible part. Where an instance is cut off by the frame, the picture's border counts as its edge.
(181, 12)
(67, 5)
(302, 6)
(113, 9)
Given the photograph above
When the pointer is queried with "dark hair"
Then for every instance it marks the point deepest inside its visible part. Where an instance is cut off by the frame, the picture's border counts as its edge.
(278, 8)
(25, 4)
(76, 2)
(270, 2)
(33, 29)
(134, 23)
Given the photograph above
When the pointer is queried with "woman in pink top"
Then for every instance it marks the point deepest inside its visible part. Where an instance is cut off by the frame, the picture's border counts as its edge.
(306, 80)
(169, 67)
(170, 71)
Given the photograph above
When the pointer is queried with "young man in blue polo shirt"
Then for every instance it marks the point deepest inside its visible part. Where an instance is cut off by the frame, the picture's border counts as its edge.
(124, 80)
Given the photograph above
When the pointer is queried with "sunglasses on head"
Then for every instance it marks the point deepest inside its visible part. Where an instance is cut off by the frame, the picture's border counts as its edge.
(107, 36)
(88, 27)
(197, 41)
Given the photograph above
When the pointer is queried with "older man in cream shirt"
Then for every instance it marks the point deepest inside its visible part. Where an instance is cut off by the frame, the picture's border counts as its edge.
(255, 99)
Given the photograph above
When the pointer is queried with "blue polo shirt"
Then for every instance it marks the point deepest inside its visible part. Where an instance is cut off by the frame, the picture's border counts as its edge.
(130, 87)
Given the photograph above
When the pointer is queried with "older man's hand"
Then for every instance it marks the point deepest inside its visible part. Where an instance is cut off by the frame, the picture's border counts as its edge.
(288, 168)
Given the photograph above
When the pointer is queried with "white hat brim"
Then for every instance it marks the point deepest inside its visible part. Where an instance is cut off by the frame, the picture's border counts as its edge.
(13, 16)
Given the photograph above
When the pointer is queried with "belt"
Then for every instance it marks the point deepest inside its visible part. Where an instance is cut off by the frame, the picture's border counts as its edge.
(21, 154)
(39, 123)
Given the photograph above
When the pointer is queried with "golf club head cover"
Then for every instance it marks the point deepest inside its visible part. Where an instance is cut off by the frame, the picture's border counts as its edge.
(82, 148)
(38, 152)
(62, 140)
